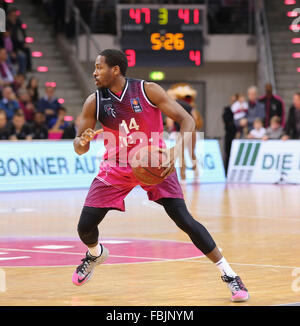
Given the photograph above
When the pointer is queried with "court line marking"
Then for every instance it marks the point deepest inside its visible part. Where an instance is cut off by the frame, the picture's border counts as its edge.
(13, 258)
(156, 260)
(187, 259)
(112, 264)
(55, 238)
(81, 254)
(204, 214)
(255, 265)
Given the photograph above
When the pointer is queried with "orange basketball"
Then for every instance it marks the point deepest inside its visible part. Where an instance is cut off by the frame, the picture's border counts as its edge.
(145, 165)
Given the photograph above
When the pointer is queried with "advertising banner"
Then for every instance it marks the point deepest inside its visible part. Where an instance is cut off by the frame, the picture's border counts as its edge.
(272, 161)
(32, 165)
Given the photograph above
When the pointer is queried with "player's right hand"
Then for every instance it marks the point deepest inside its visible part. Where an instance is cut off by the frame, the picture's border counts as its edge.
(88, 135)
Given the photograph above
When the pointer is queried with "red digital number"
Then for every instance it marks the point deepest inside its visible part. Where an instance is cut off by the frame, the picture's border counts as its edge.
(185, 15)
(147, 14)
(130, 57)
(136, 14)
(195, 56)
(196, 16)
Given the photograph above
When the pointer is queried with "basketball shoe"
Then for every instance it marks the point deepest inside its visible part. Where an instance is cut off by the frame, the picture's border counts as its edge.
(85, 270)
(237, 288)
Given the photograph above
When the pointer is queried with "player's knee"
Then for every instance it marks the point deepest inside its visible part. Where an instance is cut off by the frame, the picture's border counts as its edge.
(179, 213)
(87, 227)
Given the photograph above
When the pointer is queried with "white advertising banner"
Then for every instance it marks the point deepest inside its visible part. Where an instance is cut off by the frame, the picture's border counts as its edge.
(32, 165)
(272, 161)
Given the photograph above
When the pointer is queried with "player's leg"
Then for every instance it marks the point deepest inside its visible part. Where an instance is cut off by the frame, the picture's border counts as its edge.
(177, 210)
(101, 198)
(88, 232)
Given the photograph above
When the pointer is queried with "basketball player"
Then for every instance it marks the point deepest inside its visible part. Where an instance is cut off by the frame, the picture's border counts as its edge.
(127, 104)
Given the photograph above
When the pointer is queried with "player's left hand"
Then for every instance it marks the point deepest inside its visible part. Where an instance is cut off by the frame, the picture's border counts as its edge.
(169, 162)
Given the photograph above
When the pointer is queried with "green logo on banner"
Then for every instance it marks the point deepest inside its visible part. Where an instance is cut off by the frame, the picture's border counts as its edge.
(247, 154)
(244, 162)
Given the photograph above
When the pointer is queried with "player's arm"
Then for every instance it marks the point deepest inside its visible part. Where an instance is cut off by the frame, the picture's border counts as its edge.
(86, 127)
(176, 112)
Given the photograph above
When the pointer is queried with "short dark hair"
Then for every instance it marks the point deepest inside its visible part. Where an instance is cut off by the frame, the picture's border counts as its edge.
(19, 114)
(115, 57)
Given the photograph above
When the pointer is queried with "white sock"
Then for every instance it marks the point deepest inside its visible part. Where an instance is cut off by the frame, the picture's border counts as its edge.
(96, 251)
(225, 268)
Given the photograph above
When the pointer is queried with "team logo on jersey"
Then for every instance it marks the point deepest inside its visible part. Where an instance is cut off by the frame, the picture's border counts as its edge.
(135, 104)
(109, 109)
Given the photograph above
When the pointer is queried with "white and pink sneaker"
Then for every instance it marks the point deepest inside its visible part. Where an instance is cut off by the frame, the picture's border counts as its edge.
(237, 288)
(85, 270)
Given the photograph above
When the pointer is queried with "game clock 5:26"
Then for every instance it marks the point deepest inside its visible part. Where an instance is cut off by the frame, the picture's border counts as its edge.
(162, 36)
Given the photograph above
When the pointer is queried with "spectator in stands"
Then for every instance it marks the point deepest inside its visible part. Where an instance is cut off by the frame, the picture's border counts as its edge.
(275, 131)
(60, 123)
(8, 102)
(4, 134)
(256, 109)
(6, 70)
(49, 105)
(274, 106)
(258, 130)
(14, 56)
(39, 129)
(26, 104)
(186, 95)
(33, 89)
(70, 132)
(230, 129)
(18, 128)
(292, 127)
(18, 35)
(19, 82)
(239, 109)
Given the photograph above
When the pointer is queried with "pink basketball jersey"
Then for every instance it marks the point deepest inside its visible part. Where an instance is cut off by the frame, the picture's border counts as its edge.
(131, 119)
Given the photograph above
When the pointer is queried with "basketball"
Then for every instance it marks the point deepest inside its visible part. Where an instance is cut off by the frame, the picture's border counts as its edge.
(145, 165)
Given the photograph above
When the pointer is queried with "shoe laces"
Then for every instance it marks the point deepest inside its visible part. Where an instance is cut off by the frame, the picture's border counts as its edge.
(235, 282)
(85, 263)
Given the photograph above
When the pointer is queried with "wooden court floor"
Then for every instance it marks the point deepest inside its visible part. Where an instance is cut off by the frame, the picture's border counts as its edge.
(256, 226)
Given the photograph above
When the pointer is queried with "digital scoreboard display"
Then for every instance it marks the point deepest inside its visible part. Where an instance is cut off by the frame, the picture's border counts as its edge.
(154, 35)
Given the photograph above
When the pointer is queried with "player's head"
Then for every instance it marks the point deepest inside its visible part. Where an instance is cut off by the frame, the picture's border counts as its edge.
(109, 65)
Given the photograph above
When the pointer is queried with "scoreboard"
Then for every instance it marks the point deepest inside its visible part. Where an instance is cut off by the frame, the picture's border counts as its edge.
(162, 35)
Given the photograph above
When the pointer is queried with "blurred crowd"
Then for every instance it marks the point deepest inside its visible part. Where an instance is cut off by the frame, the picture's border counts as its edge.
(260, 117)
(24, 114)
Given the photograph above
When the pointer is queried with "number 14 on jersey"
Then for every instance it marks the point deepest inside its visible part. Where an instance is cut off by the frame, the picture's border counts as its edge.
(125, 141)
